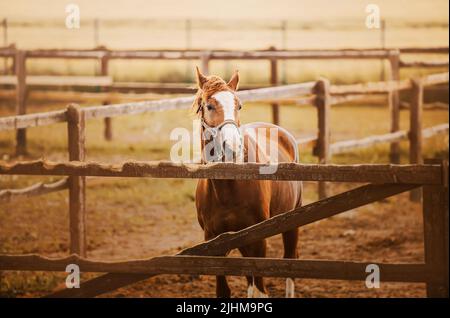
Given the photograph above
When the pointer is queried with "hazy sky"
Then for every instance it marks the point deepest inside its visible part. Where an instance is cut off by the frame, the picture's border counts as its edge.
(307, 10)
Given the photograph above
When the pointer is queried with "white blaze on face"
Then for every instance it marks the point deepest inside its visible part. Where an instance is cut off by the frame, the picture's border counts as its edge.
(229, 133)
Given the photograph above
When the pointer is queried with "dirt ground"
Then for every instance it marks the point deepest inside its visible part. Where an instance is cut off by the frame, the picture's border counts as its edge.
(387, 231)
(381, 232)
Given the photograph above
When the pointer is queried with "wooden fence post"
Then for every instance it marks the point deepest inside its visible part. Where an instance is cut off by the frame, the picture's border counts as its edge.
(435, 224)
(394, 107)
(21, 93)
(77, 185)
(108, 134)
(205, 63)
(274, 82)
(415, 130)
(322, 148)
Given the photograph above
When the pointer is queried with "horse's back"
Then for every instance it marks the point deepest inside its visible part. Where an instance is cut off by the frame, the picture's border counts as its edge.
(285, 195)
(260, 131)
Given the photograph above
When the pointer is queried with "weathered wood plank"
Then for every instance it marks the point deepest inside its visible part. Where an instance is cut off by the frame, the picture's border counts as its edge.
(195, 54)
(394, 108)
(431, 64)
(227, 241)
(77, 184)
(374, 173)
(21, 101)
(32, 120)
(434, 79)
(322, 148)
(346, 145)
(204, 61)
(430, 50)
(59, 80)
(213, 265)
(274, 82)
(374, 98)
(415, 130)
(9, 195)
(73, 96)
(435, 223)
(104, 68)
(434, 130)
(370, 88)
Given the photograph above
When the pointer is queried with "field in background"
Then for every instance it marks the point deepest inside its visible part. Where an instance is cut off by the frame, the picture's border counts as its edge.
(238, 25)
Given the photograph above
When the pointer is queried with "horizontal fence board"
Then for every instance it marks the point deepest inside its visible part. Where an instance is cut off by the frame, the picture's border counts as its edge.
(424, 64)
(346, 98)
(40, 119)
(213, 265)
(370, 88)
(8, 195)
(229, 54)
(431, 50)
(32, 120)
(346, 145)
(438, 129)
(373, 173)
(47, 80)
(215, 54)
(435, 79)
(73, 96)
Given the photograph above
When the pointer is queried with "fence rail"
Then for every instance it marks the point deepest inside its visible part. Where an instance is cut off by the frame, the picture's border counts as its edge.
(346, 145)
(40, 188)
(380, 173)
(214, 265)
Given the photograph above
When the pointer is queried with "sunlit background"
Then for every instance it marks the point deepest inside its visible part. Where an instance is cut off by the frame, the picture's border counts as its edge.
(141, 217)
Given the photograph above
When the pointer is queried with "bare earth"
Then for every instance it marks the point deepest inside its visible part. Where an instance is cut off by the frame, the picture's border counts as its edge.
(388, 231)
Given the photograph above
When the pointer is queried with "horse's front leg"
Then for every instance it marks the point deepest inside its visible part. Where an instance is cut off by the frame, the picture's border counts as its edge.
(222, 288)
(256, 287)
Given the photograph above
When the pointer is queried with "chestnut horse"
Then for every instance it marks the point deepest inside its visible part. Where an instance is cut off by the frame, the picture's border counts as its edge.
(232, 205)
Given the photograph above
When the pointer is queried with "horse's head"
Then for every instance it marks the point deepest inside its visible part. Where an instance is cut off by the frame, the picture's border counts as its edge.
(218, 107)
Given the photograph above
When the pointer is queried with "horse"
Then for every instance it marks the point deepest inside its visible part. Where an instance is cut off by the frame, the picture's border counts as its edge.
(232, 205)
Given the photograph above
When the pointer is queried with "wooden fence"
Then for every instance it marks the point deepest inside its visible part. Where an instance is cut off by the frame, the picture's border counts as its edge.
(384, 181)
(103, 55)
(320, 93)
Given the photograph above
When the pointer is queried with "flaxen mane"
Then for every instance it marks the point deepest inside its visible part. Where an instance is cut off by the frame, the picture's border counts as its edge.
(213, 85)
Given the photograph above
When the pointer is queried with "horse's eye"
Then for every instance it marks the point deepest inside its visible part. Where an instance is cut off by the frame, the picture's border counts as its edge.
(239, 106)
(210, 107)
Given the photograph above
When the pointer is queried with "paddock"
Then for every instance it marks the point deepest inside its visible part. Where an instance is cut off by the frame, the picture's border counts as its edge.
(381, 181)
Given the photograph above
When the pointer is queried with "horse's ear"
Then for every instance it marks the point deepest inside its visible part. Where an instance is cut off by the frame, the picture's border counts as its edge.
(234, 81)
(201, 79)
